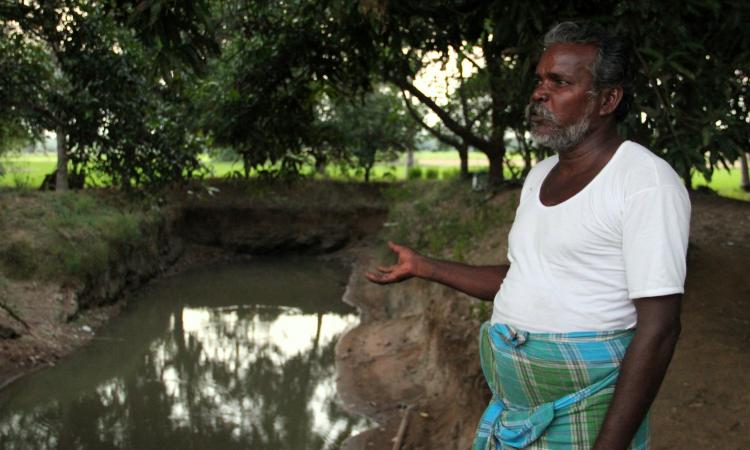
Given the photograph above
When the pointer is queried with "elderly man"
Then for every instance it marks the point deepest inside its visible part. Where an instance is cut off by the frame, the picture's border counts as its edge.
(586, 316)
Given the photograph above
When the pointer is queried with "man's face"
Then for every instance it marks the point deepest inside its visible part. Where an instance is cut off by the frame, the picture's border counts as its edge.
(562, 104)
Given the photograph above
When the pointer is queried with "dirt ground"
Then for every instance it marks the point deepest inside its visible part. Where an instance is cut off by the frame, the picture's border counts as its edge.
(704, 400)
(416, 347)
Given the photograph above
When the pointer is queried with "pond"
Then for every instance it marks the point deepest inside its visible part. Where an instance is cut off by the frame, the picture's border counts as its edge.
(232, 355)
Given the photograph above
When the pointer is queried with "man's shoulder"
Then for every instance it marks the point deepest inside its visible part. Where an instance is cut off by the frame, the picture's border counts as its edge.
(640, 168)
(543, 167)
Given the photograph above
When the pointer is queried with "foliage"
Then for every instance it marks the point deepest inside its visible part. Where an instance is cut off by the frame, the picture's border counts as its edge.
(691, 98)
(373, 128)
(692, 88)
(75, 71)
(274, 73)
(182, 33)
(279, 62)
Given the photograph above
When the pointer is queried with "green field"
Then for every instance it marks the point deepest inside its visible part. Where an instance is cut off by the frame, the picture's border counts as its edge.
(27, 171)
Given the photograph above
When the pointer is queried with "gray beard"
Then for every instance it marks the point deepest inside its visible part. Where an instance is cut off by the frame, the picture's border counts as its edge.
(560, 138)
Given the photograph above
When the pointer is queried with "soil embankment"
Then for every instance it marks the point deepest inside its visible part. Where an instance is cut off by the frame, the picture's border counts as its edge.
(416, 345)
(44, 319)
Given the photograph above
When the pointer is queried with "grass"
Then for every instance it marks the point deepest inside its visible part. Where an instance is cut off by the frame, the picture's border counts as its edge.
(65, 236)
(725, 182)
(28, 170)
(446, 219)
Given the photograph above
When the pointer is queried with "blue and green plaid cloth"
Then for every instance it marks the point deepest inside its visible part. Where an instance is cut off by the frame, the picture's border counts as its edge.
(550, 391)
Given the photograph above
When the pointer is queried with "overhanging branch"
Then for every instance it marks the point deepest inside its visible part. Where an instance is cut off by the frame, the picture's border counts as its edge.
(461, 131)
(442, 137)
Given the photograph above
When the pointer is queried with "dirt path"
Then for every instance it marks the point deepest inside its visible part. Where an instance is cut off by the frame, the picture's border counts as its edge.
(417, 346)
(704, 400)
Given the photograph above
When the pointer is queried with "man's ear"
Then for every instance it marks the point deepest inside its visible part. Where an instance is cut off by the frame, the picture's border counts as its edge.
(611, 97)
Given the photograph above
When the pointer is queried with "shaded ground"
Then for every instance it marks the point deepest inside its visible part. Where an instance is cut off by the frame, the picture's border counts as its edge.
(705, 397)
(417, 347)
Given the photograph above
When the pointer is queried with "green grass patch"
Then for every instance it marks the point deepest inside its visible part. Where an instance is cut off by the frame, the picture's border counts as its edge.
(445, 219)
(725, 182)
(26, 171)
(65, 236)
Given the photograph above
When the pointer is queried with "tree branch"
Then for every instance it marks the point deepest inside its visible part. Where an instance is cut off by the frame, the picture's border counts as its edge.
(463, 54)
(444, 138)
(461, 131)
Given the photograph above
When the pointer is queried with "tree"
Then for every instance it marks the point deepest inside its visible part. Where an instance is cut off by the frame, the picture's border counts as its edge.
(373, 128)
(691, 96)
(408, 31)
(74, 70)
(279, 61)
(692, 91)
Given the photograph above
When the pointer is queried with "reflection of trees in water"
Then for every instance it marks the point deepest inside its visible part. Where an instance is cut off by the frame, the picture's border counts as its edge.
(218, 382)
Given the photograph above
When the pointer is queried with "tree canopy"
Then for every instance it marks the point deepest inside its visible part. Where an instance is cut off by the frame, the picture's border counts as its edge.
(139, 89)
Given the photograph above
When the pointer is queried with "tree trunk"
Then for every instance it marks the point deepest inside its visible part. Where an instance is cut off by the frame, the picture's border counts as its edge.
(320, 164)
(246, 167)
(409, 158)
(61, 179)
(496, 167)
(745, 184)
(687, 178)
(367, 174)
(463, 154)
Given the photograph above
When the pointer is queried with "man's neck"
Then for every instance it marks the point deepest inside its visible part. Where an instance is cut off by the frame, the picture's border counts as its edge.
(591, 154)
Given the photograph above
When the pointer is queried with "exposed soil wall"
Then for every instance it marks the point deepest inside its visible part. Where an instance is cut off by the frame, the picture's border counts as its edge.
(274, 230)
(415, 347)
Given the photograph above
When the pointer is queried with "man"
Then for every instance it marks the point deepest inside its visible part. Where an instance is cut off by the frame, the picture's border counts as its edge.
(586, 316)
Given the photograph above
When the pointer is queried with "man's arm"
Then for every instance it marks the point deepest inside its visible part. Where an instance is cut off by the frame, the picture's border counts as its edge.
(642, 369)
(481, 282)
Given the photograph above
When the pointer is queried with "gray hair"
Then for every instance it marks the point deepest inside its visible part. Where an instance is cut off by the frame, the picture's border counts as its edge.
(613, 65)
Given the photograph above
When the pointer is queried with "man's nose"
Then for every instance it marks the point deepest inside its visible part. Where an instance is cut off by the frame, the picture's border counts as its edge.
(539, 94)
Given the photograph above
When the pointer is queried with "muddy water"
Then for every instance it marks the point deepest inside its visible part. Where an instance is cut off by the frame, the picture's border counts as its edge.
(230, 356)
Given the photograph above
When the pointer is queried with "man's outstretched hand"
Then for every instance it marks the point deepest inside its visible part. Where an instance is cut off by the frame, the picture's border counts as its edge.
(481, 282)
(408, 264)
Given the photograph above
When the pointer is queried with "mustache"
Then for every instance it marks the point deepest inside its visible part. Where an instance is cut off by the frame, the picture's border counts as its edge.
(537, 109)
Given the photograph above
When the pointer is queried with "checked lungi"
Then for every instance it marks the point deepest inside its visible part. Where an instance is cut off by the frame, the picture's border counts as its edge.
(550, 391)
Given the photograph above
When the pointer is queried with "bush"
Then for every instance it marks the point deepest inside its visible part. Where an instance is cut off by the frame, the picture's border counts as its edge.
(414, 173)
(432, 174)
(451, 174)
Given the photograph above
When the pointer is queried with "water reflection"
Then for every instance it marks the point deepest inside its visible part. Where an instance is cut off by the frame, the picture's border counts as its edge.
(236, 356)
